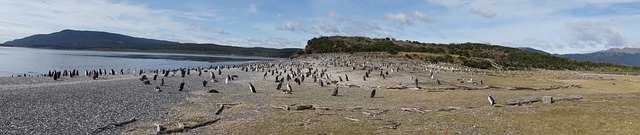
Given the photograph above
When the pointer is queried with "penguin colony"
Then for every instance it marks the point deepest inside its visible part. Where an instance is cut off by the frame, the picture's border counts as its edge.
(282, 71)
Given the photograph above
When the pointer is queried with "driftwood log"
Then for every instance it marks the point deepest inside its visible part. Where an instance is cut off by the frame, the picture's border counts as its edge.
(186, 128)
(113, 125)
(462, 87)
(527, 100)
(414, 110)
(296, 107)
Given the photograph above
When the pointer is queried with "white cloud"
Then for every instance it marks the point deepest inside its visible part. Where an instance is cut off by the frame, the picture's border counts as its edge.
(592, 34)
(269, 42)
(296, 26)
(483, 12)
(399, 18)
(328, 27)
(37, 17)
(422, 17)
(220, 31)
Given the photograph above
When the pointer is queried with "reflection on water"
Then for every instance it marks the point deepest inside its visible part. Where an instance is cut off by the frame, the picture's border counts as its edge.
(15, 61)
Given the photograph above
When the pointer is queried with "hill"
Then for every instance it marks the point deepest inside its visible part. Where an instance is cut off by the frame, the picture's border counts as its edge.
(534, 50)
(477, 55)
(626, 56)
(96, 40)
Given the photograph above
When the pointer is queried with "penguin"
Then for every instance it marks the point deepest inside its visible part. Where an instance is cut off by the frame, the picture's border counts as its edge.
(297, 81)
(253, 89)
(213, 91)
(158, 89)
(162, 82)
(160, 128)
(346, 77)
(181, 86)
(147, 82)
(204, 83)
(279, 86)
(289, 87)
(265, 75)
(373, 92)
(491, 101)
(335, 91)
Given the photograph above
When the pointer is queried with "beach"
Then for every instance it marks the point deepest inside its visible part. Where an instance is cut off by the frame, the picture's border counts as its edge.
(81, 105)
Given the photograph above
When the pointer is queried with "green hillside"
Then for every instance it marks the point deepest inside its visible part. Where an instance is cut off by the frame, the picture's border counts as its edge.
(475, 55)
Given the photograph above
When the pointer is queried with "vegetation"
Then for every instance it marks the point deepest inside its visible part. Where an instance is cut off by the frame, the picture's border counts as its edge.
(475, 55)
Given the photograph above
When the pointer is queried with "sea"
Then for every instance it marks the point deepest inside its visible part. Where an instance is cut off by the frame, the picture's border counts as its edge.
(16, 61)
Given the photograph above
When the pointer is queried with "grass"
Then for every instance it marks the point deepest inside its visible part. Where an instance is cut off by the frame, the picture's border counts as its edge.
(607, 108)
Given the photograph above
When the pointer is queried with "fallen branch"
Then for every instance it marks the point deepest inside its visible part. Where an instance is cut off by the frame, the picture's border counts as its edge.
(185, 128)
(113, 125)
(296, 107)
(352, 119)
(570, 97)
(303, 107)
(527, 100)
(397, 87)
(229, 104)
(413, 110)
(449, 109)
(281, 107)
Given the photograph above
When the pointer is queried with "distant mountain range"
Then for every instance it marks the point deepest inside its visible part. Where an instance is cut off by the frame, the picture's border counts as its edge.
(625, 56)
(96, 40)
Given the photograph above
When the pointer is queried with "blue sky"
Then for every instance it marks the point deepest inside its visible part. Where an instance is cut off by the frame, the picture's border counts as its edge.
(567, 26)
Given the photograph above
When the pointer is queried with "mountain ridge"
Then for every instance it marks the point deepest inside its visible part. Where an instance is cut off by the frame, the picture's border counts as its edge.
(105, 41)
(626, 56)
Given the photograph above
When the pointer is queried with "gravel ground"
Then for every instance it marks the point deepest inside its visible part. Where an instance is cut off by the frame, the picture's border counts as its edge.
(80, 105)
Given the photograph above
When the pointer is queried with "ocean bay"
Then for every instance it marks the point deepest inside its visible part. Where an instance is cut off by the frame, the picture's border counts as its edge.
(19, 61)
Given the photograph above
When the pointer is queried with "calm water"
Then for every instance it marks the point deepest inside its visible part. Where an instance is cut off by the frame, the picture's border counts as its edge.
(18, 61)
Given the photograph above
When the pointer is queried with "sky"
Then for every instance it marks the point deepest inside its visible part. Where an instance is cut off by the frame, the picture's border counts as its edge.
(555, 26)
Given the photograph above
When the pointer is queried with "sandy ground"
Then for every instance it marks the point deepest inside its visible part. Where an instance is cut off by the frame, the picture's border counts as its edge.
(80, 105)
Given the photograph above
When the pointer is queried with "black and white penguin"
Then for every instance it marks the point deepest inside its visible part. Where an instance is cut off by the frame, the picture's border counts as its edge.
(373, 92)
(491, 101)
(253, 89)
(181, 86)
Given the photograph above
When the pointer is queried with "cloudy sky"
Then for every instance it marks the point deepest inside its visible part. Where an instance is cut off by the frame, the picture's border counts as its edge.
(556, 26)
